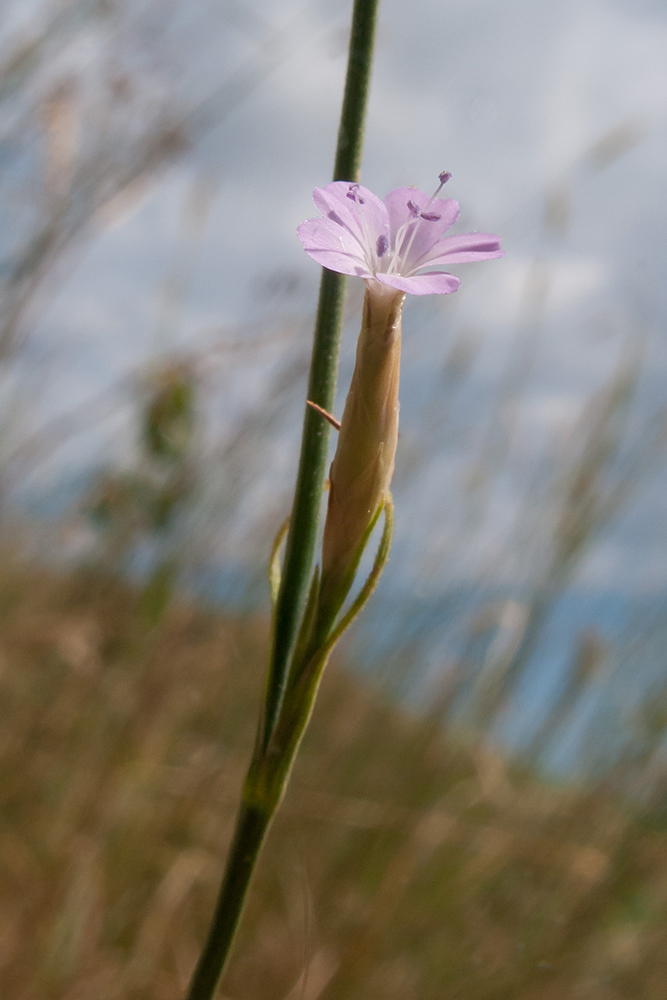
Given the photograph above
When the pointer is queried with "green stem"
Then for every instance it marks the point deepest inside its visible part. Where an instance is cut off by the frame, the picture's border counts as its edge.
(251, 827)
(265, 786)
(301, 540)
(255, 815)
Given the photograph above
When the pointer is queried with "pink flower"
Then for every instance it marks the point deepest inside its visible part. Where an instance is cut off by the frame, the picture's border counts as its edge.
(392, 241)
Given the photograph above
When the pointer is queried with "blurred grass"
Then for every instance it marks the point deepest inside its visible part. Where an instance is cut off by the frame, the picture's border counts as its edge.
(402, 864)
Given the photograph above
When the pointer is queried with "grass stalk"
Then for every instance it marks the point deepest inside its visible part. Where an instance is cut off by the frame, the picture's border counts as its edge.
(302, 536)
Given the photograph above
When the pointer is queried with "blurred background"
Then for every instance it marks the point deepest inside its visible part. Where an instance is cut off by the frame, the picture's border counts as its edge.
(480, 807)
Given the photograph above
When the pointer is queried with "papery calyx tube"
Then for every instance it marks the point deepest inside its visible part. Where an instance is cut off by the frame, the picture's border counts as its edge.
(363, 464)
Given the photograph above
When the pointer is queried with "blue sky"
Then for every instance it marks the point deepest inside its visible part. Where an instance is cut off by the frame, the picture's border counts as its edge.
(510, 97)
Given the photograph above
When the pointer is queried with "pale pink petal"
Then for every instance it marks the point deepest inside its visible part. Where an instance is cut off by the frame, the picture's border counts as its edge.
(438, 283)
(460, 250)
(355, 208)
(332, 246)
(322, 234)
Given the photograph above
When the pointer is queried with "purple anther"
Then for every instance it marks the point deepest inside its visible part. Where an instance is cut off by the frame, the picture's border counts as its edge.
(431, 216)
(352, 194)
(414, 209)
(382, 245)
(444, 176)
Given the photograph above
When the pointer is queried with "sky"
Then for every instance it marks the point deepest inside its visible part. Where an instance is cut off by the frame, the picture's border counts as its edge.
(528, 105)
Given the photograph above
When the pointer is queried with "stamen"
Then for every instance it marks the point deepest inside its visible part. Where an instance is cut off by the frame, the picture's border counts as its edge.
(400, 237)
(366, 242)
(416, 214)
(411, 241)
(353, 194)
(443, 178)
(382, 245)
(425, 214)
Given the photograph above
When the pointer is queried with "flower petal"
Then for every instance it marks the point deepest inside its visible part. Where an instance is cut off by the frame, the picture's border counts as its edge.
(363, 214)
(436, 283)
(332, 246)
(461, 249)
(428, 231)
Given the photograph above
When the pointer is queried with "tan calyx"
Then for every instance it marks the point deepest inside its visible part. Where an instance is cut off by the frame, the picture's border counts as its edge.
(363, 465)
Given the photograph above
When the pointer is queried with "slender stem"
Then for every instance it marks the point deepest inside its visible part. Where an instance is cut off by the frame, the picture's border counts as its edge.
(254, 819)
(302, 535)
(251, 826)
(265, 785)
